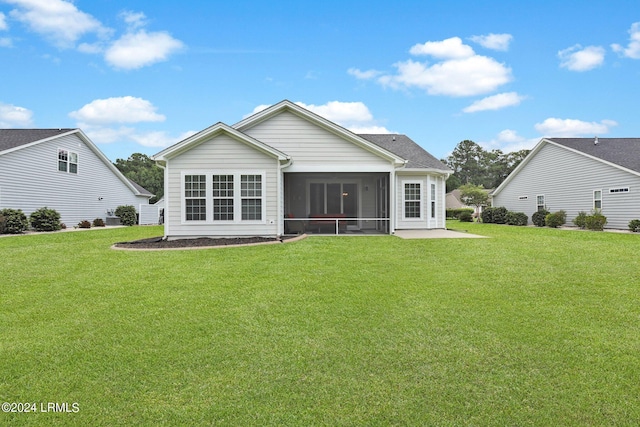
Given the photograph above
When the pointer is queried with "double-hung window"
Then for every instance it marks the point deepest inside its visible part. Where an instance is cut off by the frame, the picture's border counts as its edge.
(433, 200)
(597, 199)
(251, 197)
(195, 197)
(67, 161)
(412, 200)
(540, 205)
(223, 197)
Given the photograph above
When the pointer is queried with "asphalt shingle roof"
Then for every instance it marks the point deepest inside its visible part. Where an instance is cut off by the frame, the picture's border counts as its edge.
(406, 148)
(624, 152)
(12, 138)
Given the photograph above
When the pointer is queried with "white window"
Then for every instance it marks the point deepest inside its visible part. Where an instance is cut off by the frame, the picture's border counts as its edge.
(619, 190)
(523, 198)
(251, 197)
(540, 205)
(412, 200)
(67, 161)
(433, 200)
(223, 197)
(597, 199)
(195, 197)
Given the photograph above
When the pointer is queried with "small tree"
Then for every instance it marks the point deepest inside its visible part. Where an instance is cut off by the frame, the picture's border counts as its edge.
(474, 195)
(127, 215)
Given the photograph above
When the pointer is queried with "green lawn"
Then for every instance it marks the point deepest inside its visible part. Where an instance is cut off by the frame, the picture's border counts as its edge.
(530, 327)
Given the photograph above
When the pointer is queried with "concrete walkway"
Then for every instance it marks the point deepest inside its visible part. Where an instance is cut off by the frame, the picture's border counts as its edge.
(436, 234)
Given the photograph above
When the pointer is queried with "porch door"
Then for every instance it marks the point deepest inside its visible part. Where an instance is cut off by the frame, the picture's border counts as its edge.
(334, 198)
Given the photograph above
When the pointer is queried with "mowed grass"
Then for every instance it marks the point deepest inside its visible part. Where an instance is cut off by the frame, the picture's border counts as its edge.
(532, 327)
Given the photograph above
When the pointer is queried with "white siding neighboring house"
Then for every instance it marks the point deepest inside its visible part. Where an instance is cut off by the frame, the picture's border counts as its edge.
(288, 164)
(577, 174)
(63, 170)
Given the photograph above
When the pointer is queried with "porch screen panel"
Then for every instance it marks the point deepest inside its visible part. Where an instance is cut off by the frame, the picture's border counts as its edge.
(412, 200)
(334, 199)
(316, 199)
(223, 197)
(195, 190)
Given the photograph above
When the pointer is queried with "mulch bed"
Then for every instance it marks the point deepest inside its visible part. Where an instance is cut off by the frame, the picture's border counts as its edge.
(158, 243)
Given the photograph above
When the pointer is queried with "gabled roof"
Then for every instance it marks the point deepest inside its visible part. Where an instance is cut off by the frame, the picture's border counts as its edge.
(406, 148)
(19, 139)
(13, 138)
(336, 129)
(621, 153)
(211, 131)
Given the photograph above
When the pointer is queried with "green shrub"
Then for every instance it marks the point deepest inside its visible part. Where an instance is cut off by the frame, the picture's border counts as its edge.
(539, 218)
(84, 224)
(455, 213)
(517, 218)
(45, 219)
(634, 225)
(465, 217)
(127, 215)
(13, 221)
(495, 215)
(556, 219)
(98, 222)
(596, 221)
(581, 220)
(487, 215)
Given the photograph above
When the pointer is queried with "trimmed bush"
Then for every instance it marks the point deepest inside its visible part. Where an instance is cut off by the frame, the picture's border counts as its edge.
(455, 213)
(539, 218)
(13, 221)
(596, 221)
(465, 217)
(634, 225)
(45, 219)
(127, 215)
(495, 215)
(556, 219)
(98, 222)
(84, 224)
(581, 220)
(517, 218)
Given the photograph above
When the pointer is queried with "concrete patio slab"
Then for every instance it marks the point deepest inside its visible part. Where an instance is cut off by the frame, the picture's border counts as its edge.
(436, 234)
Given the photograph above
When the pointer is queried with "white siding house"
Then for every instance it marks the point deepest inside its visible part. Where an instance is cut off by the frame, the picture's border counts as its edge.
(286, 165)
(574, 175)
(63, 170)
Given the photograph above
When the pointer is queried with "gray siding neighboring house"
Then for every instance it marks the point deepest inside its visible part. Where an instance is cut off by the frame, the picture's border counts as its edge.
(286, 163)
(577, 174)
(63, 170)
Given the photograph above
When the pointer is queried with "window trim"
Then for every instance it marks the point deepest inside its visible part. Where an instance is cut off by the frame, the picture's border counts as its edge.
(544, 202)
(237, 198)
(67, 162)
(184, 199)
(405, 200)
(597, 200)
(433, 201)
(619, 190)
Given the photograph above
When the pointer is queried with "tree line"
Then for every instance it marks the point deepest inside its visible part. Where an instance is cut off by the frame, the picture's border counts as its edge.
(471, 164)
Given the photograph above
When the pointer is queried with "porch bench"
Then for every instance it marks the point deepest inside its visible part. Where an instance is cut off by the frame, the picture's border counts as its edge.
(328, 220)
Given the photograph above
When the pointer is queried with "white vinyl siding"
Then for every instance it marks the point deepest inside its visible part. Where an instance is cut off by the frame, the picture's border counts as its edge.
(568, 179)
(314, 148)
(427, 204)
(31, 180)
(223, 155)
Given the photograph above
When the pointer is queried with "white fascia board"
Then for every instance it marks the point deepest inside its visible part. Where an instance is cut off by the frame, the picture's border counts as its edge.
(334, 128)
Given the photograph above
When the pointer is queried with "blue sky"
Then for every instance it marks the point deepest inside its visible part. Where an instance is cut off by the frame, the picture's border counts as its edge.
(137, 76)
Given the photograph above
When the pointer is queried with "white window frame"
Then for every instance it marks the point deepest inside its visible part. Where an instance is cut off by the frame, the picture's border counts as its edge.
(433, 201)
(237, 197)
(597, 199)
(184, 198)
(67, 162)
(539, 206)
(405, 200)
(619, 190)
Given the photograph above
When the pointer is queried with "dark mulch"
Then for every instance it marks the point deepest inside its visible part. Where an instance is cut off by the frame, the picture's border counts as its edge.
(158, 243)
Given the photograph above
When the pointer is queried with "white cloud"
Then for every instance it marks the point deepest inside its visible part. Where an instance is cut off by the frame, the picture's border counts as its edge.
(554, 127)
(577, 58)
(495, 102)
(134, 20)
(58, 20)
(493, 41)
(451, 48)
(509, 141)
(136, 50)
(470, 76)
(3, 22)
(126, 109)
(111, 135)
(12, 116)
(354, 116)
(633, 49)
(363, 75)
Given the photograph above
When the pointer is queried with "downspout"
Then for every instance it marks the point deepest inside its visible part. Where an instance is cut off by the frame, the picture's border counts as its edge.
(280, 184)
(166, 200)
